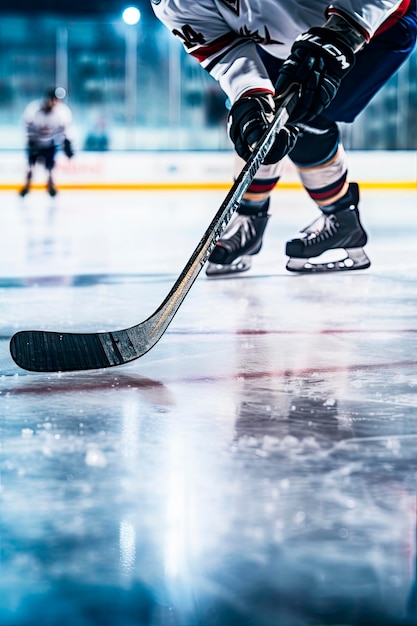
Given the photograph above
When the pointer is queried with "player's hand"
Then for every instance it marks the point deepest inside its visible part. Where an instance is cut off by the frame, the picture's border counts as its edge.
(249, 118)
(31, 148)
(319, 60)
(68, 150)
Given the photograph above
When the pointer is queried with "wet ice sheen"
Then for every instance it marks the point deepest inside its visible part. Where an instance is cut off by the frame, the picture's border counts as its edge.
(256, 467)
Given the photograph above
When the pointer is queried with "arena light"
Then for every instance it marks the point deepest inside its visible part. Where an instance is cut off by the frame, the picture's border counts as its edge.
(131, 15)
(60, 93)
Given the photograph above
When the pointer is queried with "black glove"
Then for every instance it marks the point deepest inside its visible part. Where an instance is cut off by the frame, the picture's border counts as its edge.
(32, 146)
(319, 59)
(249, 118)
(69, 152)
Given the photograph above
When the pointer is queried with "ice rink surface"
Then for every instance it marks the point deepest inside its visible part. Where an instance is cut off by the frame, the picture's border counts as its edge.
(258, 467)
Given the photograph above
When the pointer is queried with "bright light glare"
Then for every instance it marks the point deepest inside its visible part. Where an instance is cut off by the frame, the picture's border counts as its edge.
(60, 93)
(131, 15)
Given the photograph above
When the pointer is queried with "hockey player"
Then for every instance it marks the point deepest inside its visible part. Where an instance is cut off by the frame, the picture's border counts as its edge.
(339, 55)
(47, 124)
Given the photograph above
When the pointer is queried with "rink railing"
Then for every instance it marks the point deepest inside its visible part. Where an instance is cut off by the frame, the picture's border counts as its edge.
(192, 171)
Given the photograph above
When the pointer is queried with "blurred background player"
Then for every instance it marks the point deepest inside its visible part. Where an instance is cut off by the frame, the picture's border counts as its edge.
(339, 55)
(47, 124)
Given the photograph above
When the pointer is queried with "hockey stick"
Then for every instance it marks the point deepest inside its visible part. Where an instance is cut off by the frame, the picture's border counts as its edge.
(47, 351)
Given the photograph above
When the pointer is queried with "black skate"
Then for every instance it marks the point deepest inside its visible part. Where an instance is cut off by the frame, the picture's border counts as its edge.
(240, 240)
(24, 190)
(52, 190)
(338, 229)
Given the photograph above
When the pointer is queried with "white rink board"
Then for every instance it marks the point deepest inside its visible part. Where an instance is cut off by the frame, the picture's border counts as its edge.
(205, 168)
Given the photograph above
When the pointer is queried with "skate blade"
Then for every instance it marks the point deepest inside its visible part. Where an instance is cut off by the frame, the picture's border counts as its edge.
(239, 265)
(354, 259)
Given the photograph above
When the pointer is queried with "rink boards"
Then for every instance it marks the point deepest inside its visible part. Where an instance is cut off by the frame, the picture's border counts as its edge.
(191, 170)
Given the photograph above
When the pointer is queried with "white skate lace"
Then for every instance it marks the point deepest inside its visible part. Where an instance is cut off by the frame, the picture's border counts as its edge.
(241, 225)
(321, 229)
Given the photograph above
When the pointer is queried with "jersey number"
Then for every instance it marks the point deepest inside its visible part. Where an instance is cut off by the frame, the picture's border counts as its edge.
(189, 36)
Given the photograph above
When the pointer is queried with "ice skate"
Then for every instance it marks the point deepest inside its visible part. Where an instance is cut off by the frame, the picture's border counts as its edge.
(24, 190)
(333, 242)
(241, 239)
(26, 187)
(52, 190)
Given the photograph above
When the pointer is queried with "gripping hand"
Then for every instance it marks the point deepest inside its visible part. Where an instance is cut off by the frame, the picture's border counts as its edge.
(249, 118)
(31, 147)
(69, 152)
(319, 60)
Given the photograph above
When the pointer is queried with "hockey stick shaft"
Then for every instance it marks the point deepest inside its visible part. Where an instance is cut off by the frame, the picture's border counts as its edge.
(49, 351)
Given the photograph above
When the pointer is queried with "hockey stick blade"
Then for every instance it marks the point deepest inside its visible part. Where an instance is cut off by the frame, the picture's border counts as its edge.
(48, 351)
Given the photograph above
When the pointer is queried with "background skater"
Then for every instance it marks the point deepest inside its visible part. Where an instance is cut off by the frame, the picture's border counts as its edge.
(47, 124)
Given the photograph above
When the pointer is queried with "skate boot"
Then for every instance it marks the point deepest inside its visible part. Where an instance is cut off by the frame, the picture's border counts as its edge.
(26, 188)
(52, 190)
(241, 239)
(338, 229)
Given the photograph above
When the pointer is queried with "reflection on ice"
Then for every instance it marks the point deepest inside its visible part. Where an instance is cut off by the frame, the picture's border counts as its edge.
(256, 468)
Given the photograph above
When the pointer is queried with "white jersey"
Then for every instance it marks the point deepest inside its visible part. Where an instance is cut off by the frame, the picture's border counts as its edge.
(222, 34)
(47, 128)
